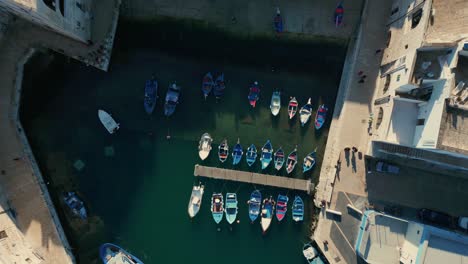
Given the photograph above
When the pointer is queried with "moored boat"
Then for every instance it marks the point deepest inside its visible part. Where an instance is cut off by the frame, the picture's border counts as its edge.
(223, 151)
(281, 206)
(268, 208)
(309, 161)
(275, 104)
(255, 203)
(254, 94)
(204, 146)
(311, 254)
(298, 209)
(305, 112)
(291, 161)
(231, 207)
(320, 116)
(195, 200)
(237, 153)
(279, 159)
(267, 154)
(108, 122)
(113, 254)
(292, 107)
(219, 86)
(75, 204)
(207, 84)
(172, 99)
(217, 207)
(278, 21)
(339, 12)
(251, 155)
(151, 93)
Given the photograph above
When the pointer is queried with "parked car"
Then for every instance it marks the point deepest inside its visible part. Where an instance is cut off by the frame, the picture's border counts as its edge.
(463, 222)
(386, 167)
(439, 218)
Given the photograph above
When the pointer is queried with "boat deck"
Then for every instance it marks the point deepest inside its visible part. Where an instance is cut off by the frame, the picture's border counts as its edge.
(256, 178)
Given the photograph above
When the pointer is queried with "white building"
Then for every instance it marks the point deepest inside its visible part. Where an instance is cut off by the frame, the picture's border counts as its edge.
(70, 18)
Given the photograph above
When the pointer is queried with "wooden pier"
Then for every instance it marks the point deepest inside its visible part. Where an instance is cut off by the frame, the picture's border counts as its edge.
(256, 178)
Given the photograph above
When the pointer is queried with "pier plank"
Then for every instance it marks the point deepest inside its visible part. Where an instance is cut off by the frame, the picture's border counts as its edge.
(249, 177)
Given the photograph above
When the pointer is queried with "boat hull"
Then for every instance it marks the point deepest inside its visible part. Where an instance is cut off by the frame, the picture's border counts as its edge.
(218, 217)
(231, 207)
(255, 203)
(195, 200)
(109, 253)
(108, 122)
(151, 89)
(204, 146)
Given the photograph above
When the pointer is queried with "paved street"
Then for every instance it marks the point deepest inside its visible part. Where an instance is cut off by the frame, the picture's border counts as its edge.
(253, 17)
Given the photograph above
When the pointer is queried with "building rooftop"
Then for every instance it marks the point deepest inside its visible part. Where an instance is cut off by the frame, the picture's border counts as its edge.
(448, 23)
(387, 239)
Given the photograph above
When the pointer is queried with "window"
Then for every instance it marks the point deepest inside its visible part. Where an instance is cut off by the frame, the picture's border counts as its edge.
(421, 122)
(3, 234)
(416, 18)
(389, 37)
(394, 11)
(50, 4)
(62, 7)
(388, 78)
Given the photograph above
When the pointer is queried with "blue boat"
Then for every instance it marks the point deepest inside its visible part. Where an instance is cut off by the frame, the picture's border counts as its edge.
(251, 155)
(309, 161)
(151, 93)
(254, 94)
(255, 203)
(207, 84)
(339, 12)
(217, 207)
(268, 209)
(320, 117)
(219, 86)
(278, 21)
(298, 209)
(237, 153)
(75, 204)
(267, 154)
(281, 206)
(231, 207)
(113, 254)
(311, 254)
(172, 99)
(279, 159)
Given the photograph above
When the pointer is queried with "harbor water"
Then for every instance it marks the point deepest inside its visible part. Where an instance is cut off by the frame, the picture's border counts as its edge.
(137, 182)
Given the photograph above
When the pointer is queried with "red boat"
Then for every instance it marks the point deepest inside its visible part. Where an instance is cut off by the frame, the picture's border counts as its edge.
(254, 94)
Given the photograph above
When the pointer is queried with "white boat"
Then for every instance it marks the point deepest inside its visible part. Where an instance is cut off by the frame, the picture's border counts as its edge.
(305, 112)
(195, 200)
(204, 146)
(108, 122)
(275, 104)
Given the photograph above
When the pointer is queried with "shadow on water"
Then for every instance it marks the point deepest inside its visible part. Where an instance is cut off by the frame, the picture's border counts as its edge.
(138, 197)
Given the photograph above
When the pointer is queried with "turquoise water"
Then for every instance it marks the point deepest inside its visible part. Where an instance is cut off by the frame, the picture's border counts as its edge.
(138, 197)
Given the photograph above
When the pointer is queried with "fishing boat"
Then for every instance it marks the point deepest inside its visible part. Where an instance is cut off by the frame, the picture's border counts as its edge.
(207, 84)
(75, 204)
(298, 209)
(151, 93)
(231, 207)
(223, 151)
(204, 146)
(311, 254)
(108, 122)
(254, 94)
(267, 154)
(219, 86)
(237, 153)
(278, 21)
(320, 116)
(292, 107)
(339, 12)
(217, 207)
(255, 203)
(291, 161)
(113, 254)
(281, 206)
(195, 200)
(305, 112)
(268, 208)
(309, 161)
(279, 159)
(172, 99)
(251, 155)
(275, 104)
